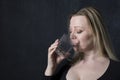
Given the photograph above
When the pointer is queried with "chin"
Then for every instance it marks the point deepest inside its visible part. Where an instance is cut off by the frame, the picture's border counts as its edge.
(76, 49)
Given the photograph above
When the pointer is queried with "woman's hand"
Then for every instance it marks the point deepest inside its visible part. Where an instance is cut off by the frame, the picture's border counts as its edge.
(53, 59)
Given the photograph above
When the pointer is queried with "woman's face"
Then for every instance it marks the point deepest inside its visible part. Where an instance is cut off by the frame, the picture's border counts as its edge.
(80, 33)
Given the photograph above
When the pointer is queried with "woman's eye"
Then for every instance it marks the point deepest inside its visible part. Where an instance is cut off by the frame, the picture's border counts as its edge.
(79, 31)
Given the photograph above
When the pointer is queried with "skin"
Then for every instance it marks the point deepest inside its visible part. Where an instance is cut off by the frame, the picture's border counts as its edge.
(93, 65)
(80, 34)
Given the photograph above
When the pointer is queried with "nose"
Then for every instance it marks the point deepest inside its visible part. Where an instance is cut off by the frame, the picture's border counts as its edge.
(72, 36)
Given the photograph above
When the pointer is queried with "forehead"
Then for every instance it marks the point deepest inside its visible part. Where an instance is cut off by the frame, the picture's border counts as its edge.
(79, 21)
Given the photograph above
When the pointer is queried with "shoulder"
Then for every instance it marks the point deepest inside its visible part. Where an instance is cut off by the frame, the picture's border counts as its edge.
(114, 69)
(114, 64)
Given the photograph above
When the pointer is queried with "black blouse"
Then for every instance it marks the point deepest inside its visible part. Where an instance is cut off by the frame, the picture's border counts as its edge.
(112, 73)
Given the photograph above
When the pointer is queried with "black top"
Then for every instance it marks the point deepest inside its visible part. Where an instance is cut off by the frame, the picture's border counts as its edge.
(112, 72)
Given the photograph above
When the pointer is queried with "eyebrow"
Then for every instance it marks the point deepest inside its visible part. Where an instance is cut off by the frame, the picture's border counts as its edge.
(77, 27)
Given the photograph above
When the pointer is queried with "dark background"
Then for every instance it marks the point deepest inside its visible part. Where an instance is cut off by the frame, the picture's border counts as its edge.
(28, 27)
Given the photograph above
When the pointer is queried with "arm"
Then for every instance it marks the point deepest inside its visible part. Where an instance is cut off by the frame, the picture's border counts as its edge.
(61, 71)
(53, 59)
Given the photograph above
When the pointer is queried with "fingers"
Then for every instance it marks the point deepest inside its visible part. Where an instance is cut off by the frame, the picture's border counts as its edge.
(55, 43)
(67, 54)
(53, 47)
(61, 57)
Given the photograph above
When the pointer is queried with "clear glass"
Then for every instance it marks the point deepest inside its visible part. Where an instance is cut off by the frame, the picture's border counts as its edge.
(65, 46)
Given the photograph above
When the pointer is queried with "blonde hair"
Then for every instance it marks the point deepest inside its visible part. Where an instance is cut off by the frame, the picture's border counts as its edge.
(102, 40)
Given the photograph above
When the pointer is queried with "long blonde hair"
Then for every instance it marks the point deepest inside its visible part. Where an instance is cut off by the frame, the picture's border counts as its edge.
(102, 40)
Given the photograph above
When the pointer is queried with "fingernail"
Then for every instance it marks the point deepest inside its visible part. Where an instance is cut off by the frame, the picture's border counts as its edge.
(56, 40)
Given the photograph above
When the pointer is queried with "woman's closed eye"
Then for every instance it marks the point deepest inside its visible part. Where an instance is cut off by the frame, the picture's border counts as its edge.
(79, 31)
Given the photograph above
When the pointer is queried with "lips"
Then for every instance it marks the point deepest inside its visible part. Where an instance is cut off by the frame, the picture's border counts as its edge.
(75, 42)
(76, 47)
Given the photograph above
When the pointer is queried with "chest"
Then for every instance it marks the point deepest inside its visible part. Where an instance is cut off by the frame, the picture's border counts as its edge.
(86, 72)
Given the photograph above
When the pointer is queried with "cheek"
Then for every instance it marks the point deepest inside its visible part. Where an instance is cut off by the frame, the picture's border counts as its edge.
(85, 40)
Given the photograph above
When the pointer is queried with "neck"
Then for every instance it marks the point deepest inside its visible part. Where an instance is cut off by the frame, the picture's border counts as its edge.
(92, 55)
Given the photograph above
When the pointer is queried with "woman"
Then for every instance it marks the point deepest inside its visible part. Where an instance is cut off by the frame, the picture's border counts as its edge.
(94, 57)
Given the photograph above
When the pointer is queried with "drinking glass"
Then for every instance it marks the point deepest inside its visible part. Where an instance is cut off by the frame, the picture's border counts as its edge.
(65, 46)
